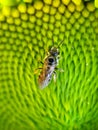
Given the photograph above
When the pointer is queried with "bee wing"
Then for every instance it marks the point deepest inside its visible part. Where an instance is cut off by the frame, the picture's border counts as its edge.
(44, 81)
(44, 84)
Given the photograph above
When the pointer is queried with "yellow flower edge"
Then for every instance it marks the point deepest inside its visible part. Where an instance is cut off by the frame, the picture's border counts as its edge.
(49, 2)
(27, 29)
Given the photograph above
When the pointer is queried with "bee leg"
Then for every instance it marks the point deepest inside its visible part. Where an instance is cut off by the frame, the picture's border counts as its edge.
(36, 70)
(61, 70)
(54, 76)
(40, 61)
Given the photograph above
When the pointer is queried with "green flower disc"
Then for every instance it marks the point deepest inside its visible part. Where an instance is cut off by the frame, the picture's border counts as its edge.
(27, 29)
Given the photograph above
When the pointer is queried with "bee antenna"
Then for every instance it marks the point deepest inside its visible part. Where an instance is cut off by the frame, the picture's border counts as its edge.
(61, 42)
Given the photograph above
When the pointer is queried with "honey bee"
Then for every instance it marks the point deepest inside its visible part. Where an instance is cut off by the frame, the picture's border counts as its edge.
(49, 67)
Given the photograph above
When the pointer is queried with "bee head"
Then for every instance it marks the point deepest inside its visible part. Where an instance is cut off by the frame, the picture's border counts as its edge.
(54, 51)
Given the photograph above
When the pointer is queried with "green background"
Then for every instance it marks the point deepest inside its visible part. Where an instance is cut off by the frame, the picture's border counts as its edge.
(26, 31)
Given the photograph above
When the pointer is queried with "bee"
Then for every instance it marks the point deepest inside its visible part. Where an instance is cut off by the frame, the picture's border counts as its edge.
(49, 67)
